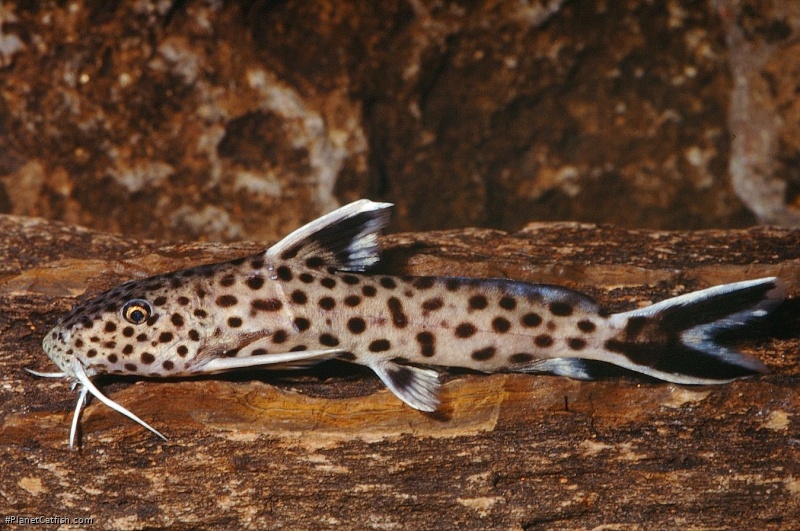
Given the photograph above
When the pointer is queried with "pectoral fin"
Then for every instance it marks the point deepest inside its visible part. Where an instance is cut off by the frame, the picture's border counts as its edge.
(270, 361)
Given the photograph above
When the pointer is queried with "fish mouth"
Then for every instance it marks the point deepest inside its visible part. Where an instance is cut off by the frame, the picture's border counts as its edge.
(55, 346)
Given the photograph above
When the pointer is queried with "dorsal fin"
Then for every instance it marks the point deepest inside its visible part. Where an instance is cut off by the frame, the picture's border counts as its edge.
(346, 239)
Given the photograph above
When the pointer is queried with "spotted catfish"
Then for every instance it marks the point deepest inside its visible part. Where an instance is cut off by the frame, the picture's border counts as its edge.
(310, 298)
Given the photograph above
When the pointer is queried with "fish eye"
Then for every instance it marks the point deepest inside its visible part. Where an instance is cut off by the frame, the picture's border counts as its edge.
(136, 311)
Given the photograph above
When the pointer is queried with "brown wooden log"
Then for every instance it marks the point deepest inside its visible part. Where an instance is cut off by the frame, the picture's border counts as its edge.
(331, 448)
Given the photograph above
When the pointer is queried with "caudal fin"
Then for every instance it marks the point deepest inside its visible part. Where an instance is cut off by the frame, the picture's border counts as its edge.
(677, 339)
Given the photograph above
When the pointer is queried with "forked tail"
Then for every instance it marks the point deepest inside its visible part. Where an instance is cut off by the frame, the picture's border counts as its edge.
(677, 339)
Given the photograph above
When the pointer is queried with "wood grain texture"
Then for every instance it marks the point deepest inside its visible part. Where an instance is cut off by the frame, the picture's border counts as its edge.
(330, 448)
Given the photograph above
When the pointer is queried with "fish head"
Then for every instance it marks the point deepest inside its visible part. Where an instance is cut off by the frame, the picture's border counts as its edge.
(144, 327)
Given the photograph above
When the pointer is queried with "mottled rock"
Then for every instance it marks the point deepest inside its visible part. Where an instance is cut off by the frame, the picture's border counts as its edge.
(226, 121)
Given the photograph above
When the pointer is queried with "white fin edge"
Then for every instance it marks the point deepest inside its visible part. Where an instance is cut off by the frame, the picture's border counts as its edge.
(367, 252)
(80, 374)
(228, 364)
(778, 293)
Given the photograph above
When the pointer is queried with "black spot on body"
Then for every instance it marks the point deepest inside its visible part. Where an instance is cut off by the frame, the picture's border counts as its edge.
(168, 365)
(298, 348)
(350, 279)
(356, 325)
(165, 337)
(110, 327)
(182, 350)
(177, 319)
(478, 302)
(327, 303)
(200, 313)
(147, 358)
(302, 324)
(352, 300)
(531, 320)
(266, 305)
(194, 335)
(130, 367)
(508, 303)
(452, 284)
(396, 311)
(255, 283)
(227, 281)
(78, 342)
(306, 278)
(110, 344)
(484, 354)
(388, 282)
(91, 353)
(576, 343)
(183, 301)
(465, 330)
(427, 343)
(112, 358)
(501, 325)
(226, 301)
(280, 336)
(284, 273)
(299, 297)
(561, 309)
(328, 340)
(586, 326)
(258, 352)
(328, 282)
(234, 322)
(543, 340)
(431, 305)
(141, 337)
(257, 263)
(380, 345)
(347, 356)
(369, 291)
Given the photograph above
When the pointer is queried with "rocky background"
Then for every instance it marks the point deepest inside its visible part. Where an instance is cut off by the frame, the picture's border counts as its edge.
(240, 120)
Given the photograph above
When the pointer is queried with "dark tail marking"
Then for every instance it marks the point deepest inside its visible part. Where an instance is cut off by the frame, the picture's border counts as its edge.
(676, 340)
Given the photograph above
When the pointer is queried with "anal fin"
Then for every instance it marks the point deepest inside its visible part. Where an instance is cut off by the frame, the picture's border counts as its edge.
(419, 388)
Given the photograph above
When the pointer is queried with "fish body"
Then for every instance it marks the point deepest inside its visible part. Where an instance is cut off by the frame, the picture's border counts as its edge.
(310, 298)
